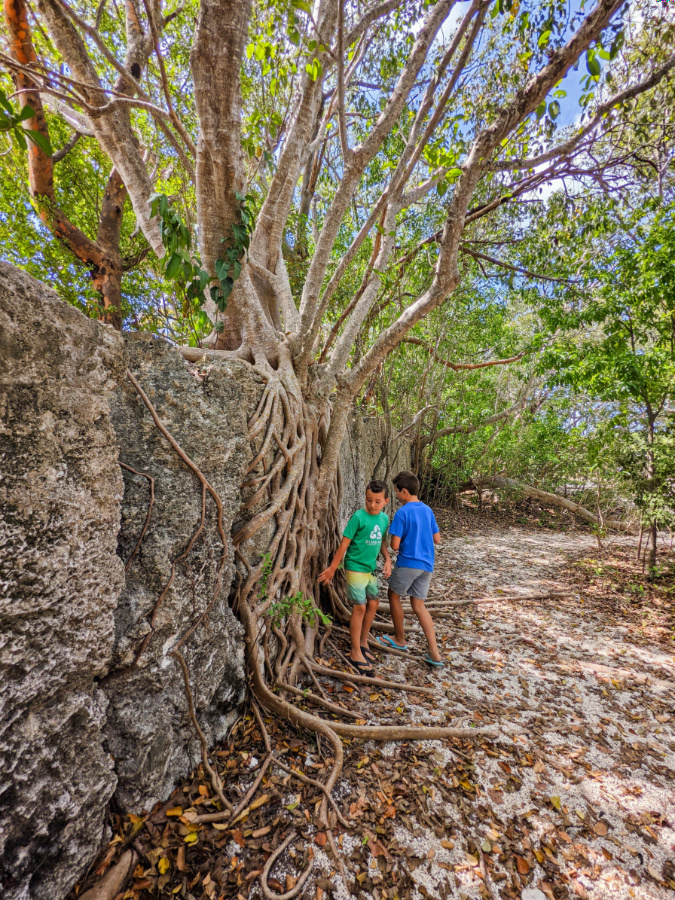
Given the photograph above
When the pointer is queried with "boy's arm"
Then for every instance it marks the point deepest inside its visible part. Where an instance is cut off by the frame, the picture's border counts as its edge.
(437, 538)
(395, 542)
(327, 574)
(387, 559)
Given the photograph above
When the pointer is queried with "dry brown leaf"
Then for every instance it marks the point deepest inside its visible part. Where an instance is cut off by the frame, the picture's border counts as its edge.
(522, 865)
(448, 845)
(321, 840)
(600, 828)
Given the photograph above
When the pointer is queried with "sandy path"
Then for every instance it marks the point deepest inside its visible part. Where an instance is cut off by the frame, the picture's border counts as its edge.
(576, 798)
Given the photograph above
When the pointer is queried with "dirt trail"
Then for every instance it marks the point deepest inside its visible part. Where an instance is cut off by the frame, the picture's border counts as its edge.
(573, 798)
(577, 796)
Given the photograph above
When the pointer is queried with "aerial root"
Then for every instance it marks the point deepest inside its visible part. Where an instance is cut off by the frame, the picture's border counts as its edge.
(206, 488)
(213, 775)
(151, 503)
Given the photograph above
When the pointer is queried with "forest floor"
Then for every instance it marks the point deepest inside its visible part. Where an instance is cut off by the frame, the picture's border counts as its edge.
(574, 796)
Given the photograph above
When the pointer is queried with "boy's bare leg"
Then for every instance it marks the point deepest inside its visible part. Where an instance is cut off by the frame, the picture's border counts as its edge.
(397, 618)
(355, 627)
(371, 609)
(427, 624)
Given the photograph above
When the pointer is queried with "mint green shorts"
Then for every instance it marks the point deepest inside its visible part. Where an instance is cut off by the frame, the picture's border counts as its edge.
(361, 586)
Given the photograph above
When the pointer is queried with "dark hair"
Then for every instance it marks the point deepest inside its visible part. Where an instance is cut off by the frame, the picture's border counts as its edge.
(406, 481)
(378, 487)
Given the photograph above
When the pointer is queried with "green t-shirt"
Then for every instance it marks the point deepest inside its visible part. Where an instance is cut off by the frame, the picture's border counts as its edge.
(366, 533)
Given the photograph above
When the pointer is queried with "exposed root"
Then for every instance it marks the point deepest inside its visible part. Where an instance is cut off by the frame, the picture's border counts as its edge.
(376, 682)
(327, 704)
(267, 890)
(206, 488)
(338, 858)
(410, 732)
(114, 879)
(147, 516)
(317, 784)
(213, 775)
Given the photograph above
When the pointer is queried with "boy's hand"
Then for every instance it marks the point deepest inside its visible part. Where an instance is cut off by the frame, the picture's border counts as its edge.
(386, 571)
(326, 576)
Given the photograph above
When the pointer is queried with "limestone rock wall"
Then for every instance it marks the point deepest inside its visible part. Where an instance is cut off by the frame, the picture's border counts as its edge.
(205, 408)
(82, 714)
(366, 454)
(60, 576)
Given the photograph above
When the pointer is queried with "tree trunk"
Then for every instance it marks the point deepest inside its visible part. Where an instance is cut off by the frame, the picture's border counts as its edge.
(556, 500)
(107, 275)
(653, 530)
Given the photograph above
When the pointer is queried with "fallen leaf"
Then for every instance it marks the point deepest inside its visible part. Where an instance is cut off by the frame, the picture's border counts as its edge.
(163, 865)
(321, 840)
(219, 826)
(191, 838)
(522, 865)
(180, 859)
(539, 767)
(471, 860)
(600, 828)
(555, 802)
(655, 875)
(486, 847)
(175, 811)
(580, 890)
(448, 845)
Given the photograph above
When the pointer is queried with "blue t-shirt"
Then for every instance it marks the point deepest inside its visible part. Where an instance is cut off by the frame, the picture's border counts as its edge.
(415, 524)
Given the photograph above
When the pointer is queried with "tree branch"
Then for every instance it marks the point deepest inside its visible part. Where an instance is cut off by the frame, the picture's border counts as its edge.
(459, 367)
(601, 112)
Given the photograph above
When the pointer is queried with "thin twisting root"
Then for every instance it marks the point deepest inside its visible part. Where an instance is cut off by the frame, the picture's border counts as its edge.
(213, 775)
(267, 890)
(147, 516)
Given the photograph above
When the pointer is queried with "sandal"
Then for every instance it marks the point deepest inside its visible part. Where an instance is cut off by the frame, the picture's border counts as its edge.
(436, 663)
(386, 642)
(361, 668)
(367, 655)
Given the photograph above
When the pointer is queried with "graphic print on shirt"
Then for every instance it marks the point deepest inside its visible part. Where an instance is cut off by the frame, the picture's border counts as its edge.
(376, 535)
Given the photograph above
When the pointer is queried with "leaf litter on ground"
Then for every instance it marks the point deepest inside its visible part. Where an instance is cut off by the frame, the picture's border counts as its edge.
(574, 798)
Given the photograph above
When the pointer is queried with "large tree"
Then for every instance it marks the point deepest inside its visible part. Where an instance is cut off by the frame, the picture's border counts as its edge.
(311, 139)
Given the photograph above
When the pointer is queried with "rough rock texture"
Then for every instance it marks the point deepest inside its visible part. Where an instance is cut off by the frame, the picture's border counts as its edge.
(60, 490)
(362, 458)
(205, 408)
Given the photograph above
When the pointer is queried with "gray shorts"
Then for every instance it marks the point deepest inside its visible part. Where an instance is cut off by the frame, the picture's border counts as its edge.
(413, 582)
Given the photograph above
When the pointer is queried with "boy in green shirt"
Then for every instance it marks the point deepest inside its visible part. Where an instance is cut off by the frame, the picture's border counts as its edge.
(362, 542)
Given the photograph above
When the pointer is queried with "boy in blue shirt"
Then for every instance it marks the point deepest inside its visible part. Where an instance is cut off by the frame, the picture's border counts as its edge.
(363, 540)
(414, 533)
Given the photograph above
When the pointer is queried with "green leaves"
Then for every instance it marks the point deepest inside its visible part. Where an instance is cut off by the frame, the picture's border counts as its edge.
(10, 122)
(184, 268)
(592, 65)
(314, 69)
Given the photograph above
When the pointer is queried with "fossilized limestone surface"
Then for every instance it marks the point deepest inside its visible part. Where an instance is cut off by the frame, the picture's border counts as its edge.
(60, 576)
(205, 408)
(366, 454)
